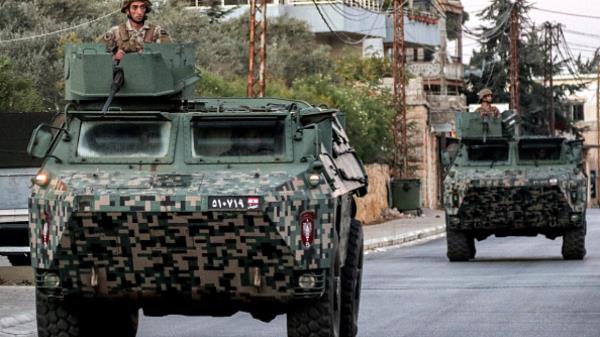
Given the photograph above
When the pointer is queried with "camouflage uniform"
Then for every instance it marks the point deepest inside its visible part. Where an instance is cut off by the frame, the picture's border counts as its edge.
(491, 112)
(130, 40)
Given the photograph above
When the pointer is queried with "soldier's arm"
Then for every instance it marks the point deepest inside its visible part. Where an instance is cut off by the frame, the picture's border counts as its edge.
(110, 40)
(162, 36)
(496, 112)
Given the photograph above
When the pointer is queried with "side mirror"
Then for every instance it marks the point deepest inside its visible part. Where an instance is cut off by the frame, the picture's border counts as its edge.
(40, 142)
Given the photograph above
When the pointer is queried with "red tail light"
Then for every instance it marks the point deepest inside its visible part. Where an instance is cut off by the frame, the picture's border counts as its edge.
(307, 228)
(45, 232)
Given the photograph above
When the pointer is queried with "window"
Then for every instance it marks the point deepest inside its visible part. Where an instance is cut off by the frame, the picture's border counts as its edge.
(535, 150)
(489, 151)
(238, 138)
(410, 55)
(100, 139)
(578, 112)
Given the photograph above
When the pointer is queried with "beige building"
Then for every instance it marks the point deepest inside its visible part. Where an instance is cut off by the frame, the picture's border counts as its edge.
(583, 111)
(433, 98)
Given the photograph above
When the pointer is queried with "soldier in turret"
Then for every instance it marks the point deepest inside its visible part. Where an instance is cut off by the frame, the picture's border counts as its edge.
(130, 36)
(487, 109)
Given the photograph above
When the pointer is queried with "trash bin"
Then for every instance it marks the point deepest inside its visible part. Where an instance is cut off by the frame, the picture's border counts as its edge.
(406, 194)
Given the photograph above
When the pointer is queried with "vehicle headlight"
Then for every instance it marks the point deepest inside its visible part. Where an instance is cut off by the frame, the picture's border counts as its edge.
(314, 179)
(553, 181)
(41, 179)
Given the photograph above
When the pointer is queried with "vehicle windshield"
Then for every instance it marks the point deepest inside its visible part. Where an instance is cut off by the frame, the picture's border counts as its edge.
(124, 139)
(488, 151)
(539, 150)
(224, 138)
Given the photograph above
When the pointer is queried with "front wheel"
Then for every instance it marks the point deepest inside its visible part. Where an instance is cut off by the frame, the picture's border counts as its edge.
(319, 318)
(69, 318)
(573, 246)
(461, 246)
(351, 281)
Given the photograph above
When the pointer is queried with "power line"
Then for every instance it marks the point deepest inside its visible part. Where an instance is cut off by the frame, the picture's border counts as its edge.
(342, 37)
(566, 13)
(490, 33)
(596, 36)
(58, 31)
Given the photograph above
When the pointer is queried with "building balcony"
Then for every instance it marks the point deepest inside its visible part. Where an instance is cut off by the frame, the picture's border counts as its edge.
(357, 18)
(433, 71)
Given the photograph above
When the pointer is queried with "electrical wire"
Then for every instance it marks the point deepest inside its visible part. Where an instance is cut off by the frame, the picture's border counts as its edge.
(341, 36)
(490, 33)
(568, 60)
(58, 31)
(566, 13)
(575, 32)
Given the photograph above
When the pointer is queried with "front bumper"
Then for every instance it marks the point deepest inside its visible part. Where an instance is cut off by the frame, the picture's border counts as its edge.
(524, 207)
(143, 255)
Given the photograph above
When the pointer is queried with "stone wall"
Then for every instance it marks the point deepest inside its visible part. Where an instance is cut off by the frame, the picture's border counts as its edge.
(370, 207)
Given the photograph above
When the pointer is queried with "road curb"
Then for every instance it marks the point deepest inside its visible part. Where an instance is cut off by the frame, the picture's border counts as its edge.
(402, 238)
(16, 275)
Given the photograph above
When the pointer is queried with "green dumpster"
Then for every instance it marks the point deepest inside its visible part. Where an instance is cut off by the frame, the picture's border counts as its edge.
(406, 194)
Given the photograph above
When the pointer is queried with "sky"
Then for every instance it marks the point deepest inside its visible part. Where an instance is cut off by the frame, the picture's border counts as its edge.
(577, 42)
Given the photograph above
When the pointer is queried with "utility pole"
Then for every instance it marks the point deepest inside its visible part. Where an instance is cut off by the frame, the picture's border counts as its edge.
(514, 57)
(258, 27)
(399, 73)
(549, 43)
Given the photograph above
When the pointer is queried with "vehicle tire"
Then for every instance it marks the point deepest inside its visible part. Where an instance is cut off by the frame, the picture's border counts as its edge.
(351, 281)
(55, 317)
(20, 260)
(60, 317)
(459, 248)
(472, 247)
(321, 317)
(573, 246)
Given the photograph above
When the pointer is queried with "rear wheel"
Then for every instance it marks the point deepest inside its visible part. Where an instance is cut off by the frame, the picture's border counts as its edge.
(351, 281)
(573, 246)
(64, 318)
(460, 246)
(320, 318)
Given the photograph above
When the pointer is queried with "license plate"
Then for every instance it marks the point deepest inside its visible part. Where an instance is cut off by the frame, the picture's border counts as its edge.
(233, 203)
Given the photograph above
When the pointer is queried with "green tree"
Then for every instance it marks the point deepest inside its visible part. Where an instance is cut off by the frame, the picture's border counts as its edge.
(352, 85)
(493, 59)
(16, 91)
(40, 59)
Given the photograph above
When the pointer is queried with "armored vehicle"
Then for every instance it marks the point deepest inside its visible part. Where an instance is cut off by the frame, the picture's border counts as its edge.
(506, 184)
(179, 205)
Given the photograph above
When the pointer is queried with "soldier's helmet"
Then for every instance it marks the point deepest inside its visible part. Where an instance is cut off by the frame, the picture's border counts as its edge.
(127, 3)
(484, 92)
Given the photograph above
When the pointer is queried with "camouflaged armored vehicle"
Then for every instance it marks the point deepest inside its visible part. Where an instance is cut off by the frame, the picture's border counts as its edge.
(178, 205)
(503, 184)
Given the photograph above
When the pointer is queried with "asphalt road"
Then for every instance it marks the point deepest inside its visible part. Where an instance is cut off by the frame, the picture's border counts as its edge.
(515, 287)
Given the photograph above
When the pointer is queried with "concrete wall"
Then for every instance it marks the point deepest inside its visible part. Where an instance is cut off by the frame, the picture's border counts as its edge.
(423, 154)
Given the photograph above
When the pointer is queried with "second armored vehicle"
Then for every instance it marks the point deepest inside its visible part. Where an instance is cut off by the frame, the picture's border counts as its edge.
(503, 184)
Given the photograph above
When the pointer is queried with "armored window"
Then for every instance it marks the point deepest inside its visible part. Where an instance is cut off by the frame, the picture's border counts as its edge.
(238, 138)
(489, 151)
(123, 139)
(540, 150)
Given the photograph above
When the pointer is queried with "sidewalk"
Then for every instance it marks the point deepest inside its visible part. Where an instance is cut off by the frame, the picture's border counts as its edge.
(400, 231)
